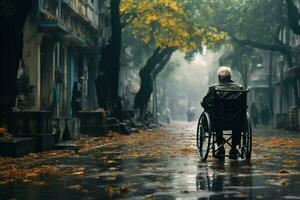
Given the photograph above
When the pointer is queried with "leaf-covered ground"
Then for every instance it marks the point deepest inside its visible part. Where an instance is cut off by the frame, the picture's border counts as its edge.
(155, 164)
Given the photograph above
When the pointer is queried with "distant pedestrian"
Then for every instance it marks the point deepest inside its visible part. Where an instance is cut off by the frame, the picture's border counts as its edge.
(264, 115)
(188, 113)
(254, 114)
(267, 115)
(167, 114)
(191, 114)
(76, 98)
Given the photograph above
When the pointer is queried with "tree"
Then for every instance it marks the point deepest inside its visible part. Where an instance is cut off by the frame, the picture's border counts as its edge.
(13, 14)
(258, 24)
(107, 82)
(164, 24)
(148, 73)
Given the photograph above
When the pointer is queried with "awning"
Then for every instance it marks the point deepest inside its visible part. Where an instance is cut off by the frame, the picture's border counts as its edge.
(74, 39)
(292, 73)
(258, 84)
(53, 25)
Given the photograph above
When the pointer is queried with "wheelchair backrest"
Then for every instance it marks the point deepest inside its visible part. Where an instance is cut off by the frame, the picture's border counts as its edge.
(229, 109)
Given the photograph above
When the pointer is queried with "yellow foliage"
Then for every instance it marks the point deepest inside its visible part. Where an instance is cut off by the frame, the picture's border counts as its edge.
(165, 23)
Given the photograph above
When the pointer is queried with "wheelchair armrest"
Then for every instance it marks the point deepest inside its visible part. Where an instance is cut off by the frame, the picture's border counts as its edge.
(209, 105)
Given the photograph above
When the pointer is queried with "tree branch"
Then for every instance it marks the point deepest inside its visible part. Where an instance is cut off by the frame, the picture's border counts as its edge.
(258, 45)
(155, 59)
(151, 62)
(163, 63)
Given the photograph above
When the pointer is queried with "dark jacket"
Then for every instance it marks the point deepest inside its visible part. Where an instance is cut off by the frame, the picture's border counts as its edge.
(224, 86)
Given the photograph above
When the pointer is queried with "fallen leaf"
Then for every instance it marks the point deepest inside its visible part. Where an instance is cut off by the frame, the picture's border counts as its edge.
(75, 187)
(283, 181)
(259, 197)
(31, 174)
(32, 155)
(268, 156)
(124, 190)
(257, 161)
(109, 191)
(7, 181)
(283, 171)
(40, 183)
(78, 173)
(85, 191)
(111, 161)
(290, 162)
(185, 192)
(3, 130)
(148, 197)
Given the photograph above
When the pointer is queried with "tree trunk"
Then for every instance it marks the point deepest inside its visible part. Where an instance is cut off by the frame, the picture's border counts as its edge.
(107, 82)
(102, 82)
(13, 14)
(148, 73)
(116, 52)
(293, 16)
(281, 87)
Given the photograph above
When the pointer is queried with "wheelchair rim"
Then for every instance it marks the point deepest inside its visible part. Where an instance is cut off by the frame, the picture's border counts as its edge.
(203, 135)
(247, 139)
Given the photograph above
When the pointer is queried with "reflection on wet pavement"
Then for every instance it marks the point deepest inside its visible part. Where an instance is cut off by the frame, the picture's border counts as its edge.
(164, 165)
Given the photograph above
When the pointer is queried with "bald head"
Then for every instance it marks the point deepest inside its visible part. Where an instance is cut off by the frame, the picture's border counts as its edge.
(224, 74)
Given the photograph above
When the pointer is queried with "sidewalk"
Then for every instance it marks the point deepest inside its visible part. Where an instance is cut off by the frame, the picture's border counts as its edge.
(270, 130)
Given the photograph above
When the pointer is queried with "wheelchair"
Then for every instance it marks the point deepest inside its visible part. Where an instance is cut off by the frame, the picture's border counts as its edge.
(227, 111)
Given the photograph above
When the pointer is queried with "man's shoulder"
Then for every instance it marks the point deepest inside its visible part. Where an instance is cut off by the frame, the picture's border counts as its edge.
(237, 85)
(213, 86)
(230, 85)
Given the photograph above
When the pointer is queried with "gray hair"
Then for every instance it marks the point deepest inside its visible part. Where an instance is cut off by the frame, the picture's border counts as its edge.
(224, 74)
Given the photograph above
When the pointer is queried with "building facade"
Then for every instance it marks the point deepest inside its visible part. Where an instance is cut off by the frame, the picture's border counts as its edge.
(62, 39)
(275, 83)
(286, 84)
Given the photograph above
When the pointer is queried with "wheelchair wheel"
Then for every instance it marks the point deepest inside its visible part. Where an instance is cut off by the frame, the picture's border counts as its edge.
(203, 136)
(247, 139)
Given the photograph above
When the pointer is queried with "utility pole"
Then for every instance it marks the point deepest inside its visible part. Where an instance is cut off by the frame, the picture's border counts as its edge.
(154, 99)
(246, 75)
(281, 86)
(271, 84)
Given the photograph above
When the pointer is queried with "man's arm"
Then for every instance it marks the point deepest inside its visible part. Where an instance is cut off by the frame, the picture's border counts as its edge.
(208, 97)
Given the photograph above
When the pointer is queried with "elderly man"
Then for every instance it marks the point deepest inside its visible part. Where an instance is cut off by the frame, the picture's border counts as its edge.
(225, 82)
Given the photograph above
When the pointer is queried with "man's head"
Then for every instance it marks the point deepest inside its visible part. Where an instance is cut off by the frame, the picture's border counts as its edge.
(224, 74)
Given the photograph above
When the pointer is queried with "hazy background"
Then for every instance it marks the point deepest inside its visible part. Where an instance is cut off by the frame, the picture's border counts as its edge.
(183, 84)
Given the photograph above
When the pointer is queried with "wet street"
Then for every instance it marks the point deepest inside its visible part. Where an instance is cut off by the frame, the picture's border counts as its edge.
(156, 164)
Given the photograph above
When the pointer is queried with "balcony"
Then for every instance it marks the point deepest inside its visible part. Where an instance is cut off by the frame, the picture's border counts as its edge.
(49, 8)
(49, 17)
(64, 21)
(74, 39)
(83, 10)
